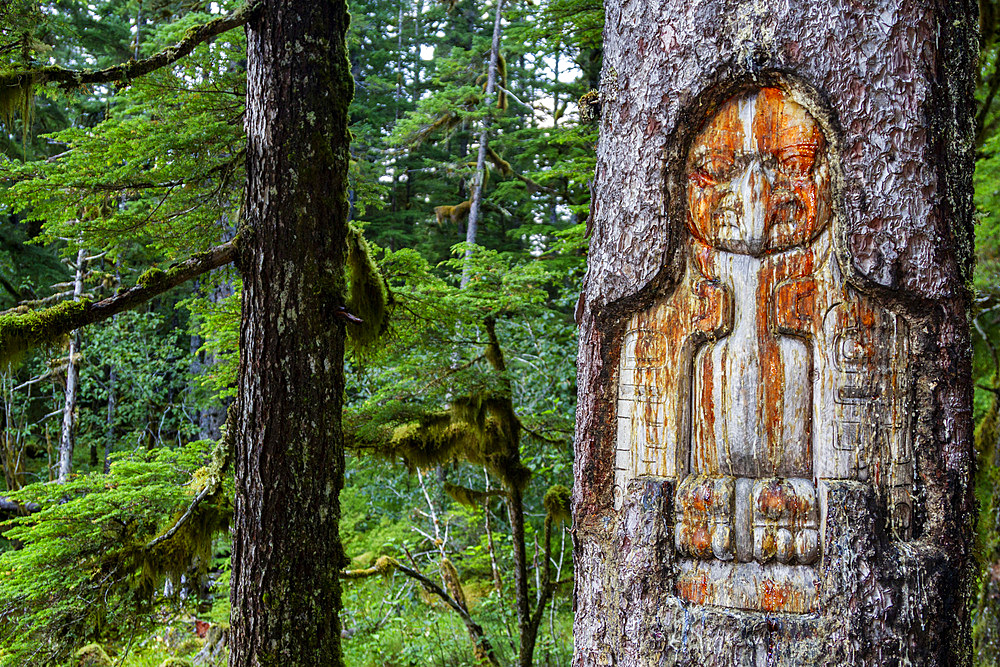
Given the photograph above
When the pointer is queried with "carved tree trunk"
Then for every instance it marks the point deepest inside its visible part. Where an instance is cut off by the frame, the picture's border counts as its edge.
(289, 458)
(773, 445)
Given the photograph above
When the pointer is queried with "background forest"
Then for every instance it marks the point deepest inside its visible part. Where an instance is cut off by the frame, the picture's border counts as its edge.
(471, 158)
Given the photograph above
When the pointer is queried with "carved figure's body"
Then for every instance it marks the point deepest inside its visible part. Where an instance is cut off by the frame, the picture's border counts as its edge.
(762, 373)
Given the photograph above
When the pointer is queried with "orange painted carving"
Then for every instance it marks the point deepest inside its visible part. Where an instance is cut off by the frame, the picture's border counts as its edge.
(762, 371)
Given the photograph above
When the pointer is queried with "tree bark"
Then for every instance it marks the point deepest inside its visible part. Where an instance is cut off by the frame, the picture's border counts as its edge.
(289, 459)
(873, 563)
(67, 438)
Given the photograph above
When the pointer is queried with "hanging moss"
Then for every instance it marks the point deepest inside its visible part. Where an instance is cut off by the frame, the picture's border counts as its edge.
(557, 503)
(499, 162)
(384, 566)
(468, 497)
(502, 75)
(17, 96)
(481, 428)
(369, 298)
(195, 528)
(455, 213)
(453, 583)
(20, 332)
(446, 121)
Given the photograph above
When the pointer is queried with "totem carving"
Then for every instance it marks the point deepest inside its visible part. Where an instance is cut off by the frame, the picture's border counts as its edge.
(763, 372)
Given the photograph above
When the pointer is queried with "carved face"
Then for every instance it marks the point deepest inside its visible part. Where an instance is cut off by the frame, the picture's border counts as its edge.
(758, 180)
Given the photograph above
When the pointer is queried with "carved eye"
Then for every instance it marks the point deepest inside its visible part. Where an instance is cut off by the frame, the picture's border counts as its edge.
(711, 168)
(797, 161)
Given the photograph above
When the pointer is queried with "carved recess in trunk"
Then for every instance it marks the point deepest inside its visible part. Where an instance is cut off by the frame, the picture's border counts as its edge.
(763, 372)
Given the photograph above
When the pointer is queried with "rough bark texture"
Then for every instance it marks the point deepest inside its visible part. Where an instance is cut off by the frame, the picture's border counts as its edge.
(890, 82)
(289, 448)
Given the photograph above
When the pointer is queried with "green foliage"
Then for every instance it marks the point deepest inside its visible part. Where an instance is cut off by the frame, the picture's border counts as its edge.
(163, 169)
(150, 360)
(85, 570)
(153, 171)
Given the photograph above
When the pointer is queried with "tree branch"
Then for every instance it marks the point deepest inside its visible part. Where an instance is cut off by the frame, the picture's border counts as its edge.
(134, 68)
(25, 330)
(222, 456)
(386, 564)
(13, 507)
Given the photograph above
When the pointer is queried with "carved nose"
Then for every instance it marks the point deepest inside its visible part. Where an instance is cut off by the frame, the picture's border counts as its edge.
(755, 189)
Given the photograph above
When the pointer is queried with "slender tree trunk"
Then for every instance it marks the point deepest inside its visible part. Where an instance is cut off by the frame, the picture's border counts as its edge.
(773, 443)
(72, 376)
(494, 566)
(289, 461)
(526, 643)
(109, 427)
(472, 226)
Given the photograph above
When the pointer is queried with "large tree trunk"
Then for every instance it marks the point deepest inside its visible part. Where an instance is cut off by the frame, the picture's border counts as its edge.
(773, 444)
(289, 448)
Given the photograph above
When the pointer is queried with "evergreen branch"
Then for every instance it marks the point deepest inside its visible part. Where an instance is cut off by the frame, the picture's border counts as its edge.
(516, 99)
(544, 438)
(134, 68)
(386, 564)
(25, 330)
(204, 493)
(223, 456)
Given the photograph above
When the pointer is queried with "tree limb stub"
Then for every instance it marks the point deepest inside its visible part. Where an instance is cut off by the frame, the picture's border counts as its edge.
(134, 68)
(22, 331)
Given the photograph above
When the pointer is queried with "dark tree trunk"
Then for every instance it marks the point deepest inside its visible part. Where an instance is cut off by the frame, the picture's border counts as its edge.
(795, 491)
(289, 448)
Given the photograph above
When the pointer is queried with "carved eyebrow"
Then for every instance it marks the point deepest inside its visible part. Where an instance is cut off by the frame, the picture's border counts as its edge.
(811, 146)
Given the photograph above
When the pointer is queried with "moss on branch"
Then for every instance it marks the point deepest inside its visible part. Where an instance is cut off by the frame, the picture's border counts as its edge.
(369, 298)
(73, 78)
(20, 331)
